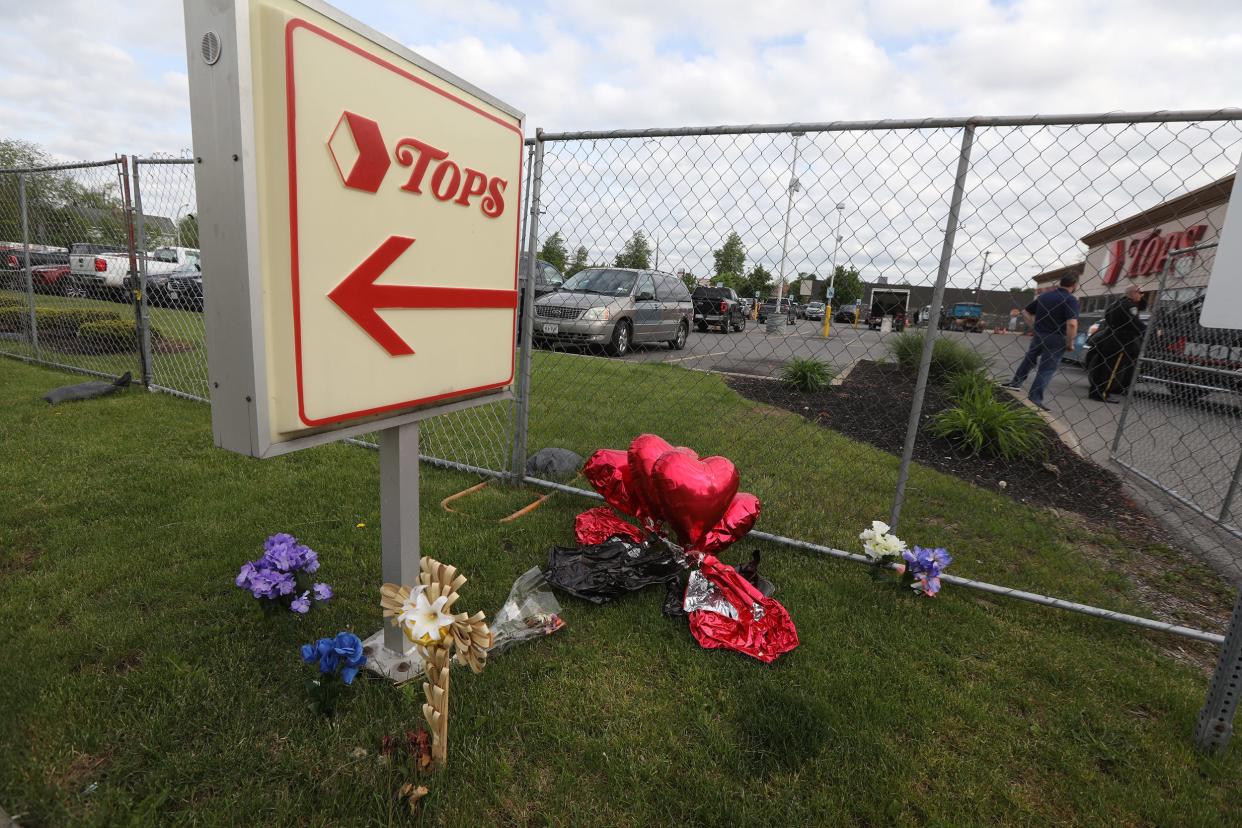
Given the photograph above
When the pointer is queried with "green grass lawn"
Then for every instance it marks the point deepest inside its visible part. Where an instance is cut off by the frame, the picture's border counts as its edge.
(141, 686)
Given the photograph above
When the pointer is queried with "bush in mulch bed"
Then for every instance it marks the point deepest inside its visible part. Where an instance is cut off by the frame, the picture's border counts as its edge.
(985, 421)
(873, 403)
(82, 330)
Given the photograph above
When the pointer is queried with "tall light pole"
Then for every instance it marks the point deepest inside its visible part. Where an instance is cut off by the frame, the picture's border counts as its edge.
(177, 221)
(982, 270)
(794, 186)
(832, 276)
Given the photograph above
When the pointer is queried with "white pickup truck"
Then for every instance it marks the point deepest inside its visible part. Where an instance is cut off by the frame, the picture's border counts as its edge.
(97, 269)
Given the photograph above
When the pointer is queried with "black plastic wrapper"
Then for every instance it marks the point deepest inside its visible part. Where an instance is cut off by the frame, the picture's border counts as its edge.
(87, 390)
(602, 572)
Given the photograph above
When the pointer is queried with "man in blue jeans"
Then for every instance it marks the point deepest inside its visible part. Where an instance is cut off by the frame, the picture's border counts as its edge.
(1054, 318)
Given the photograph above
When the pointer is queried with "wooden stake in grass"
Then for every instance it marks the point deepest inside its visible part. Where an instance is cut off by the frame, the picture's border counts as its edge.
(467, 635)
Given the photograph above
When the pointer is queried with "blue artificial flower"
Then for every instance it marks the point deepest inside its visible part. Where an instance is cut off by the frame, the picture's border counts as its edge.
(322, 592)
(327, 657)
(301, 604)
(925, 566)
(349, 647)
(308, 653)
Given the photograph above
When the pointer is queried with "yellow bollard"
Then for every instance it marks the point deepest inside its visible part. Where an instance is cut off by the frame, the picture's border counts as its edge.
(827, 320)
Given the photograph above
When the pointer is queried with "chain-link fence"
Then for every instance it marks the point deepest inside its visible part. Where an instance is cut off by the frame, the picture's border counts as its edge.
(65, 249)
(834, 307)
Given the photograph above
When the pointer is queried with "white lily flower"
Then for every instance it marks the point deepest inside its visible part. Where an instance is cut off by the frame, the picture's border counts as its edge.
(424, 621)
(878, 543)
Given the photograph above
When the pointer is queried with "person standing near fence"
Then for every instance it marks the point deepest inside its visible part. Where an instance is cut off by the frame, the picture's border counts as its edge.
(1054, 318)
(1117, 345)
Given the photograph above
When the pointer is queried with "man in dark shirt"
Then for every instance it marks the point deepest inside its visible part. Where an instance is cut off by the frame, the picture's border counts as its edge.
(1054, 318)
(1116, 346)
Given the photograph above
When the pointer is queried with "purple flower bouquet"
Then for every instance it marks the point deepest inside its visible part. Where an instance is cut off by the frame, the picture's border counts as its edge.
(281, 578)
(923, 568)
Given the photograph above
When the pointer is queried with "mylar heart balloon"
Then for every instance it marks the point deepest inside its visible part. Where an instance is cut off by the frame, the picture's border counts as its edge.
(693, 493)
(643, 454)
(739, 518)
(605, 469)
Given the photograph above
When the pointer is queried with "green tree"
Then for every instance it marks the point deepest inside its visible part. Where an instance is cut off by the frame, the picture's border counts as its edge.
(636, 253)
(691, 281)
(579, 262)
(554, 251)
(757, 282)
(730, 260)
(187, 231)
(848, 286)
(60, 209)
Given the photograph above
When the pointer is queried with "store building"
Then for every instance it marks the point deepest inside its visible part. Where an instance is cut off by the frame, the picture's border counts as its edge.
(1136, 249)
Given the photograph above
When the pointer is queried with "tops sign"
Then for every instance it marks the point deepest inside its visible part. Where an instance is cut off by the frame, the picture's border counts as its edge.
(1145, 255)
(361, 248)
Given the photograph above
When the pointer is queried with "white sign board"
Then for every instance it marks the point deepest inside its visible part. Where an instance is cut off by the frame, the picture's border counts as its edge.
(358, 213)
(1222, 306)
(804, 288)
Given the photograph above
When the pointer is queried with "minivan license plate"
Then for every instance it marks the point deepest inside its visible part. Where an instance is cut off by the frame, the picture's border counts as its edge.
(551, 328)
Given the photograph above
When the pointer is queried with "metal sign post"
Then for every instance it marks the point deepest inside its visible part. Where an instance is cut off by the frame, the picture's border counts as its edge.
(399, 518)
(1215, 724)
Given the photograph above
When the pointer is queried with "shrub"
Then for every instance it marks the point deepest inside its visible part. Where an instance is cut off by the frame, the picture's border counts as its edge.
(949, 357)
(7, 302)
(109, 336)
(982, 423)
(806, 374)
(959, 386)
(13, 319)
(67, 321)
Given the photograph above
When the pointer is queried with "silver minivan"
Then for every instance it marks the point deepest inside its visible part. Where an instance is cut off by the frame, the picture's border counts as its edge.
(616, 307)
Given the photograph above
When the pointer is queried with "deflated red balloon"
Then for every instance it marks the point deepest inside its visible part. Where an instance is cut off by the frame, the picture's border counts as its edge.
(693, 493)
(594, 526)
(642, 456)
(605, 470)
(739, 518)
(765, 637)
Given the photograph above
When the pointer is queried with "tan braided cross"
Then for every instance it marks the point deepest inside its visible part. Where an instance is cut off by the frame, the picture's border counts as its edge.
(467, 634)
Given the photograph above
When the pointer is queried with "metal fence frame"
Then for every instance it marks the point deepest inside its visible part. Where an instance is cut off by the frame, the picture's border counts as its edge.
(1218, 707)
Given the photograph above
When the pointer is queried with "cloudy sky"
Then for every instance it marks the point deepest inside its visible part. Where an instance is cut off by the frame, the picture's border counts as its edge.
(90, 78)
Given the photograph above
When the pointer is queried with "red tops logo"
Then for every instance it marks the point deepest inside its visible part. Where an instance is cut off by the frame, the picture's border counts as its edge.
(449, 181)
(1146, 255)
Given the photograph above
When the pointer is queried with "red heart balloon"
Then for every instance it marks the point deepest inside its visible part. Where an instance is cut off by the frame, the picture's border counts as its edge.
(601, 523)
(605, 469)
(693, 493)
(739, 518)
(642, 456)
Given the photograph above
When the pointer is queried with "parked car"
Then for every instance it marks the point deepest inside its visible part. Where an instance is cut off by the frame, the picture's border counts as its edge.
(718, 307)
(787, 309)
(814, 310)
(180, 289)
(100, 270)
(50, 278)
(1191, 360)
(547, 280)
(616, 308)
(847, 313)
(13, 266)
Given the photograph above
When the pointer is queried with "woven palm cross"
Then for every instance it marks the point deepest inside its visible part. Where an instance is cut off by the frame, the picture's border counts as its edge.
(467, 634)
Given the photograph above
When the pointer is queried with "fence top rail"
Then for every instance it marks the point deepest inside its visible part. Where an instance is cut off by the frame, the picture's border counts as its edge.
(1159, 116)
(77, 165)
(163, 160)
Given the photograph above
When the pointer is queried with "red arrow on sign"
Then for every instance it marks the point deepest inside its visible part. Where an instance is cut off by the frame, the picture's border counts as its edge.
(359, 297)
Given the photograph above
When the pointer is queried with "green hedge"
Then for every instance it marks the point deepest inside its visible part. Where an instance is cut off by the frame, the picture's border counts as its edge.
(111, 336)
(54, 322)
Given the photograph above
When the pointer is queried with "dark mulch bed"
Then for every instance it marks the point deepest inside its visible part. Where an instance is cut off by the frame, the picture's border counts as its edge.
(873, 404)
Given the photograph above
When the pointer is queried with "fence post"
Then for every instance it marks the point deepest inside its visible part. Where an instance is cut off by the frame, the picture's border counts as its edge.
(1215, 724)
(131, 278)
(929, 339)
(30, 300)
(521, 397)
(144, 317)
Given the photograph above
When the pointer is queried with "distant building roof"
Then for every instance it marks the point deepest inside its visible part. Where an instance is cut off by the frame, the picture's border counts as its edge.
(1207, 196)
